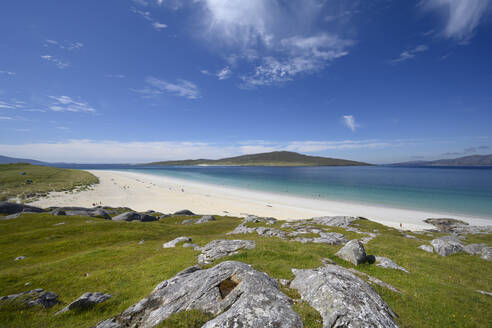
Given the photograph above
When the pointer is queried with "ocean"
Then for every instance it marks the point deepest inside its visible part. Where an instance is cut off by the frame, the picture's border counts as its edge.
(453, 190)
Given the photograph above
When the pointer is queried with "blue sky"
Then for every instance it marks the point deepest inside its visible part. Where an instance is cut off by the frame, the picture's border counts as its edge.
(139, 80)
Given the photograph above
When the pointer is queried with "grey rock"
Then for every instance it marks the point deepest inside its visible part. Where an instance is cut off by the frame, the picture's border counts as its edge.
(487, 253)
(184, 212)
(141, 242)
(446, 247)
(387, 263)
(241, 229)
(148, 218)
(329, 238)
(484, 293)
(370, 236)
(255, 219)
(446, 224)
(427, 248)
(163, 216)
(341, 298)
(204, 219)
(19, 258)
(189, 221)
(58, 212)
(219, 248)
(239, 295)
(35, 297)
(353, 252)
(194, 246)
(174, 242)
(59, 224)
(409, 236)
(127, 216)
(334, 221)
(12, 208)
(474, 249)
(284, 282)
(100, 213)
(85, 301)
(262, 231)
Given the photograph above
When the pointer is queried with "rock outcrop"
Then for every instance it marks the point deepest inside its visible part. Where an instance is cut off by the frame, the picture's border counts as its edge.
(13, 208)
(222, 247)
(174, 242)
(35, 297)
(184, 212)
(239, 295)
(134, 216)
(334, 221)
(85, 301)
(446, 246)
(341, 298)
(329, 238)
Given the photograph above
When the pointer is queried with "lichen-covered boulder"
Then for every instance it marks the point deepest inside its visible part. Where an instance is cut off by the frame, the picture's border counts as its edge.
(239, 295)
(446, 246)
(222, 247)
(353, 252)
(341, 298)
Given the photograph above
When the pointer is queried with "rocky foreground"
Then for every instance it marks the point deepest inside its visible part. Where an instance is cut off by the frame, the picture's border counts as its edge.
(238, 295)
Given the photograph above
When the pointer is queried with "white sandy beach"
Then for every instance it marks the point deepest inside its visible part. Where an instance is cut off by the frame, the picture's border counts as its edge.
(143, 192)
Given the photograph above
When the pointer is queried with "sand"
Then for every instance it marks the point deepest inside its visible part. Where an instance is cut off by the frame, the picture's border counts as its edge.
(143, 192)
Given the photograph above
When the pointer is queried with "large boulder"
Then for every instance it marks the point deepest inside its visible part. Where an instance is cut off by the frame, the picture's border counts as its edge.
(127, 216)
(85, 301)
(446, 246)
(353, 252)
(341, 298)
(222, 247)
(13, 208)
(184, 212)
(239, 295)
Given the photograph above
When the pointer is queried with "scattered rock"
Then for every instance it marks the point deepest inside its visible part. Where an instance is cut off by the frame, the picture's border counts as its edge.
(19, 258)
(174, 242)
(353, 252)
(127, 216)
(487, 253)
(262, 231)
(484, 293)
(329, 238)
(184, 212)
(427, 248)
(370, 236)
(85, 301)
(474, 249)
(100, 213)
(35, 297)
(194, 246)
(58, 212)
(141, 242)
(445, 247)
(255, 219)
(239, 295)
(205, 218)
(189, 221)
(13, 208)
(334, 221)
(341, 298)
(222, 247)
(387, 263)
(148, 218)
(445, 225)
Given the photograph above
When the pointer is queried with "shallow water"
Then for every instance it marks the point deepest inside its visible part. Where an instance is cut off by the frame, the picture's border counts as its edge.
(458, 190)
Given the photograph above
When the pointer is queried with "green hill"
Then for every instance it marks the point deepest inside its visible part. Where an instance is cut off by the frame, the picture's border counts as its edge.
(276, 158)
(473, 160)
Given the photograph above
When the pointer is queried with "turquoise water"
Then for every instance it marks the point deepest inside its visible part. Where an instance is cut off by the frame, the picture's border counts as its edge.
(465, 191)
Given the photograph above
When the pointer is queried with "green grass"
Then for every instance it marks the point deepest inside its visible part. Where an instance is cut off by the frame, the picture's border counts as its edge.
(96, 255)
(43, 180)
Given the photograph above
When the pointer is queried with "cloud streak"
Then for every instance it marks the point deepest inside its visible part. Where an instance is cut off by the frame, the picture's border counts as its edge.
(181, 88)
(461, 17)
(56, 61)
(349, 121)
(409, 54)
(148, 17)
(67, 104)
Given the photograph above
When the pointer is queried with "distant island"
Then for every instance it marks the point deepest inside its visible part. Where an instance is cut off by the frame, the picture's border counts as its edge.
(473, 160)
(276, 158)
(12, 160)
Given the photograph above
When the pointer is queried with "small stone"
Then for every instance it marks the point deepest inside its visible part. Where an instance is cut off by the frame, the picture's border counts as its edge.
(385, 262)
(19, 258)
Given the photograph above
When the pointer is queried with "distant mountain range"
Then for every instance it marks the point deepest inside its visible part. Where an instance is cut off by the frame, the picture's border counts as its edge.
(9, 160)
(276, 158)
(473, 160)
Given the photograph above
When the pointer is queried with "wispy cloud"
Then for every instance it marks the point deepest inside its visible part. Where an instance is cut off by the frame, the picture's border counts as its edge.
(115, 76)
(180, 88)
(409, 53)
(5, 118)
(67, 104)
(468, 151)
(9, 73)
(13, 104)
(148, 16)
(68, 45)
(349, 121)
(224, 73)
(461, 17)
(58, 62)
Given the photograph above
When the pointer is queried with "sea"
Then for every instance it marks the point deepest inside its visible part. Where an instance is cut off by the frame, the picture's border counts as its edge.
(454, 190)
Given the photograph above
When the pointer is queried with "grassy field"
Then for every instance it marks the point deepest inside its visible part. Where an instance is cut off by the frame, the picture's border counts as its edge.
(96, 255)
(39, 180)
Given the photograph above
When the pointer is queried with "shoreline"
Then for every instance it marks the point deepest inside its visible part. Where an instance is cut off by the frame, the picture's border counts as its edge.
(142, 192)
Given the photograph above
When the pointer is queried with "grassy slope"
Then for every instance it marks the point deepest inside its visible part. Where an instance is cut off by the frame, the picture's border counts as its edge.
(44, 179)
(276, 158)
(439, 292)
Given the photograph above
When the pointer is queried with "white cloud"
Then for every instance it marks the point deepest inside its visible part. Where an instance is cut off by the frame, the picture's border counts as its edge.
(58, 62)
(5, 118)
(224, 73)
(91, 151)
(181, 88)
(147, 16)
(7, 73)
(280, 40)
(461, 17)
(67, 104)
(349, 121)
(410, 53)
(69, 45)
(13, 104)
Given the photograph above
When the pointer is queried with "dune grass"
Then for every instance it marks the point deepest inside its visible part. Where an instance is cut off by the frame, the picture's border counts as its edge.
(39, 180)
(95, 255)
